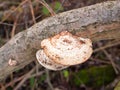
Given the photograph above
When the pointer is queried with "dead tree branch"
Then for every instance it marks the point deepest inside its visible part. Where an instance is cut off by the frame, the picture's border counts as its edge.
(98, 22)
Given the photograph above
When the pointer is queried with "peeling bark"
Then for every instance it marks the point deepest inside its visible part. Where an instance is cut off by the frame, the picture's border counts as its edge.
(98, 22)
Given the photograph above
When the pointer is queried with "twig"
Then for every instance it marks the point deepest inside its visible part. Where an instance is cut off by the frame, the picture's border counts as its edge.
(28, 75)
(43, 2)
(11, 76)
(14, 10)
(37, 74)
(2, 87)
(111, 60)
(113, 84)
(114, 43)
(8, 24)
(18, 79)
(32, 11)
(48, 79)
(99, 60)
(14, 26)
(24, 79)
(14, 81)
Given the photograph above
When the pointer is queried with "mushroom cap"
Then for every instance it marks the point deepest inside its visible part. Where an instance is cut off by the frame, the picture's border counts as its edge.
(67, 49)
(48, 63)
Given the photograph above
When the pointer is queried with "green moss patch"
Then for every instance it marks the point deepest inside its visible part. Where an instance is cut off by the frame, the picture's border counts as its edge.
(94, 76)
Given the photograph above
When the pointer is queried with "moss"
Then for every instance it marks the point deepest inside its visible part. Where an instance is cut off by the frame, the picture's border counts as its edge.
(117, 87)
(94, 76)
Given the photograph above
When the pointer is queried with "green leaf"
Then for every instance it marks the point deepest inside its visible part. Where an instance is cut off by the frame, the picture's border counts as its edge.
(42, 78)
(58, 6)
(32, 80)
(45, 11)
(66, 73)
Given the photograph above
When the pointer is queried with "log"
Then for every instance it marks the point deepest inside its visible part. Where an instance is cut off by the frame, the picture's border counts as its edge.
(98, 22)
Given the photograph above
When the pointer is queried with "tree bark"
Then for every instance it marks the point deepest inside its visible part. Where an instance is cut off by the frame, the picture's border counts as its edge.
(98, 22)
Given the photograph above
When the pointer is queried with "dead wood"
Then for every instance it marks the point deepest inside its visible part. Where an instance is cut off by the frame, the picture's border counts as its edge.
(98, 22)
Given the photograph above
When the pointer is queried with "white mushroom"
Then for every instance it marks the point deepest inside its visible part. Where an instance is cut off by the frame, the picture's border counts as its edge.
(48, 63)
(64, 50)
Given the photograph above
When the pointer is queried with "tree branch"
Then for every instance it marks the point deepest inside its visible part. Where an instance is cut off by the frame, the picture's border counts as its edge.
(98, 22)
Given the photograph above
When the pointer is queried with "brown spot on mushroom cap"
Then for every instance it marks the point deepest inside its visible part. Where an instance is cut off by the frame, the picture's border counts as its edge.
(67, 49)
(82, 42)
(67, 41)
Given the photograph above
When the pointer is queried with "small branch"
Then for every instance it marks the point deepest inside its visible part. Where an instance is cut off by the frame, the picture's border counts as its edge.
(113, 43)
(113, 84)
(18, 79)
(14, 26)
(32, 11)
(43, 2)
(111, 60)
(48, 80)
(14, 11)
(101, 61)
(24, 79)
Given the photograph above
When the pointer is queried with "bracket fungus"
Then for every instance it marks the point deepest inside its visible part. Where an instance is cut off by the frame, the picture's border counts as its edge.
(64, 50)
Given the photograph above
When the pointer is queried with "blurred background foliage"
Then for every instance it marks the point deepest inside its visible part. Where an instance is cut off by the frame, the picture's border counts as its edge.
(98, 73)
